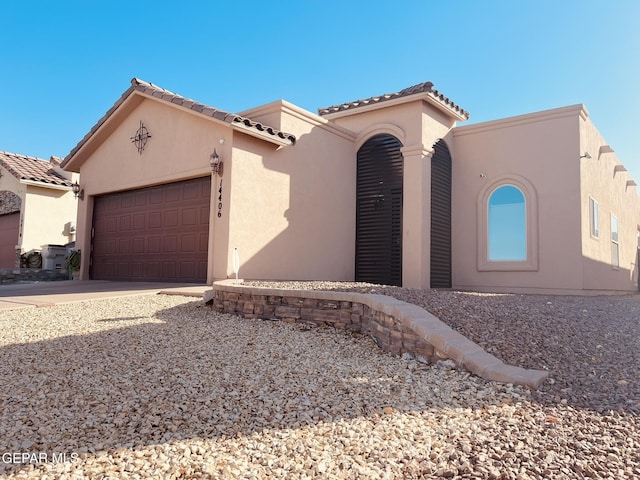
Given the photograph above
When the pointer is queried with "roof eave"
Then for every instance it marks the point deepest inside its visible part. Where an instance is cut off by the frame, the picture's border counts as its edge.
(425, 96)
(133, 96)
(36, 183)
(74, 160)
(459, 115)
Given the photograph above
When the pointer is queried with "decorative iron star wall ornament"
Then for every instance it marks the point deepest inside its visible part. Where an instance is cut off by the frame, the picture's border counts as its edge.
(141, 137)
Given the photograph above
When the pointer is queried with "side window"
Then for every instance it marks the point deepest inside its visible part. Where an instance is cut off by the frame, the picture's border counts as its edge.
(594, 218)
(615, 247)
(507, 225)
(507, 212)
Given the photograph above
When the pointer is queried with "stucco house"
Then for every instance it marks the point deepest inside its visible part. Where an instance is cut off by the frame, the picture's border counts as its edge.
(37, 205)
(386, 189)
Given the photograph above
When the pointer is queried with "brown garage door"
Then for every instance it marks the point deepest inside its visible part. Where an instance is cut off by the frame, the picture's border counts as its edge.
(9, 229)
(153, 234)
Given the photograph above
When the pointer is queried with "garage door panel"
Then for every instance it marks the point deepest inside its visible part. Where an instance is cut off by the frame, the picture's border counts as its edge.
(156, 197)
(191, 191)
(155, 220)
(202, 269)
(173, 194)
(123, 270)
(204, 242)
(169, 270)
(187, 269)
(125, 223)
(153, 269)
(204, 214)
(188, 244)
(170, 245)
(170, 218)
(155, 234)
(111, 225)
(138, 246)
(154, 245)
(141, 198)
(139, 221)
(189, 216)
(137, 270)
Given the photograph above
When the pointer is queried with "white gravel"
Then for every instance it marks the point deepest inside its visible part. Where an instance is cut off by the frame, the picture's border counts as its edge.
(163, 387)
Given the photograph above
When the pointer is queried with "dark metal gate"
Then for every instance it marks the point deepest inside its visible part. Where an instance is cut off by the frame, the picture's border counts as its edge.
(379, 211)
(441, 217)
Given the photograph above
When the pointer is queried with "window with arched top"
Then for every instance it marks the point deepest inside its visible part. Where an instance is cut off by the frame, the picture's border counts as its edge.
(508, 225)
(507, 228)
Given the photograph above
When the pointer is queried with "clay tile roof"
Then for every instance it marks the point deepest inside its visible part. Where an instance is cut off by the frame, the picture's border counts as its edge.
(167, 96)
(231, 118)
(34, 169)
(425, 87)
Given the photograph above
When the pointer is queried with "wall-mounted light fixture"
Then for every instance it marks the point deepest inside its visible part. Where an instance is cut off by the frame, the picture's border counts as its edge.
(77, 191)
(216, 163)
(586, 155)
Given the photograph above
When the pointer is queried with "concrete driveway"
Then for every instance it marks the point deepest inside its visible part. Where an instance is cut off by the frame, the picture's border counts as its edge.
(43, 294)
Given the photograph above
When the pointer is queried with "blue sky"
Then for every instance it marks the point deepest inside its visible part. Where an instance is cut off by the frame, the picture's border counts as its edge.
(65, 63)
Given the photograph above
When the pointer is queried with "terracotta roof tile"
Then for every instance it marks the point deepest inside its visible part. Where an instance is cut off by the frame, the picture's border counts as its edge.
(35, 169)
(166, 95)
(426, 87)
(151, 89)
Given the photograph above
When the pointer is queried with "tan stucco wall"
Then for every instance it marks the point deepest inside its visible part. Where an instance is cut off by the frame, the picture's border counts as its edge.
(604, 179)
(292, 209)
(48, 215)
(541, 150)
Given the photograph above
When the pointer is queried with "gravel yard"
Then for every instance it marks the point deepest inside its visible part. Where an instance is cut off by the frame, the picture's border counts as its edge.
(163, 387)
(590, 344)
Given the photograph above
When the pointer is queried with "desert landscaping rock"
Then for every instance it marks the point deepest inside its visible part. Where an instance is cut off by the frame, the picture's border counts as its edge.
(164, 387)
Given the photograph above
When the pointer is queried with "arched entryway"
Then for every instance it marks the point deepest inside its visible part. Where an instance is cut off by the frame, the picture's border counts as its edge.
(441, 216)
(379, 211)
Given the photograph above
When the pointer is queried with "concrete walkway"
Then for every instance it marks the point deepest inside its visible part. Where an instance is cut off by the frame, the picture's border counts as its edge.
(44, 294)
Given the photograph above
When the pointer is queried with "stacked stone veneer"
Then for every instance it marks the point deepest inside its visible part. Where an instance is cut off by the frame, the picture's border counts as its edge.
(9, 202)
(17, 275)
(390, 334)
(397, 327)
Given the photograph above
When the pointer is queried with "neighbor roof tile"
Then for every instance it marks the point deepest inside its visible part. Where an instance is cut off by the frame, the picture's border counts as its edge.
(35, 169)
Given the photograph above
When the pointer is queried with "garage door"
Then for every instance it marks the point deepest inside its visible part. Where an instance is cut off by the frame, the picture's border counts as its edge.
(153, 234)
(9, 229)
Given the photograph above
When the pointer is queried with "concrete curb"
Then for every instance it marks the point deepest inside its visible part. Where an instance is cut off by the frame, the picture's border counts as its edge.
(445, 340)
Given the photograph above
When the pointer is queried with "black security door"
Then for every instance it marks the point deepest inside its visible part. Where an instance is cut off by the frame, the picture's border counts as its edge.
(441, 217)
(379, 211)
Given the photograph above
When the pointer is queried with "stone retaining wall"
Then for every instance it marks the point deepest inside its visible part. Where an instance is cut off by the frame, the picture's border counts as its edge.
(390, 334)
(397, 327)
(17, 275)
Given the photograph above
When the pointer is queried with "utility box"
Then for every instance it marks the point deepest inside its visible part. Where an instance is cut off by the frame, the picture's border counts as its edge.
(53, 257)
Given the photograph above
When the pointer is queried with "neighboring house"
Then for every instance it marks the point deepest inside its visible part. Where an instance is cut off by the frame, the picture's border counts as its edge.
(386, 189)
(37, 206)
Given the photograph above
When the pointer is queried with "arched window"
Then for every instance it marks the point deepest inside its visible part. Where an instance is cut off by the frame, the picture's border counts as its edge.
(507, 225)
